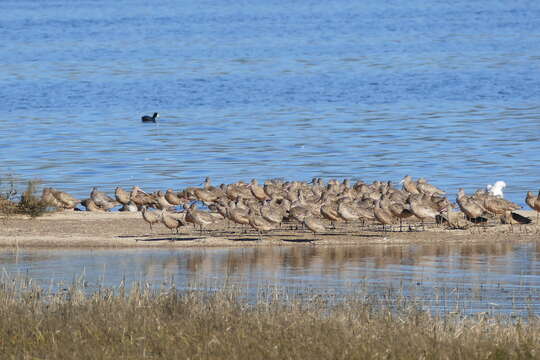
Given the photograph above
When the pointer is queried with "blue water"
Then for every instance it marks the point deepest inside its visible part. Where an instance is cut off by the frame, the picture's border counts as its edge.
(501, 278)
(260, 89)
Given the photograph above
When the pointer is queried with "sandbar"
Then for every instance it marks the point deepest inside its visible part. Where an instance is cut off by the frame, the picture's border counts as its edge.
(125, 229)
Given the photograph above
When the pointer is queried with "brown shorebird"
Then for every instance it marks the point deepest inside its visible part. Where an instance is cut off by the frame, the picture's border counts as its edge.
(347, 210)
(207, 194)
(299, 212)
(452, 220)
(103, 200)
(216, 191)
(151, 217)
(499, 206)
(258, 191)
(314, 224)
(383, 215)
(272, 212)
(170, 221)
(173, 198)
(422, 209)
(90, 205)
(258, 223)
(49, 198)
(425, 188)
(328, 208)
(472, 208)
(162, 202)
(534, 203)
(365, 210)
(221, 208)
(141, 198)
(197, 217)
(401, 211)
(409, 185)
(274, 191)
(65, 200)
(237, 214)
(122, 196)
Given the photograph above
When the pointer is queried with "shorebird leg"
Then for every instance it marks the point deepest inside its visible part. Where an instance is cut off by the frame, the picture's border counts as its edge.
(400, 224)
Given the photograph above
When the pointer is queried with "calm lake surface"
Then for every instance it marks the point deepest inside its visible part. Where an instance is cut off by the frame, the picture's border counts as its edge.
(494, 278)
(260, 89)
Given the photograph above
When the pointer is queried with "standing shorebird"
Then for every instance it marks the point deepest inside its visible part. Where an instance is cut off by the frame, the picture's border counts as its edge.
(314, 224)
(383, 215)
(196, 217)
(472, 208)
(151, 217)
(534, 203)
(258, 223)
(170, 221)
(422, 209)
(401, 211)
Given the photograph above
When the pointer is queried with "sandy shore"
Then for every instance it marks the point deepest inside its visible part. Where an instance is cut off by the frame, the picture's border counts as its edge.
(116, 229)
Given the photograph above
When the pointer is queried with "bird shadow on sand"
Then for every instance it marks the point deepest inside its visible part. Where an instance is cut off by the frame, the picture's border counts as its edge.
(158, 237)
(298, 241)
(245, 238)
(349, 234)
(169, 238)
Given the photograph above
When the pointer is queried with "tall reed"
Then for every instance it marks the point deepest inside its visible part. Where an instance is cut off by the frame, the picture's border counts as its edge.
(146, 323)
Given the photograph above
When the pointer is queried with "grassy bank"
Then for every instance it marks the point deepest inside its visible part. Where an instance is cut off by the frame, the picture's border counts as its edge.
(144, 323)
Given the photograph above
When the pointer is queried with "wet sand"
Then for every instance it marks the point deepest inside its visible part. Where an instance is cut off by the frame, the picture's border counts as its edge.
(116, 229)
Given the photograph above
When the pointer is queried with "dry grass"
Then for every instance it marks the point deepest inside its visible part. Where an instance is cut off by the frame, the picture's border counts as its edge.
(29, 203)
(8, 192)
(145, 323)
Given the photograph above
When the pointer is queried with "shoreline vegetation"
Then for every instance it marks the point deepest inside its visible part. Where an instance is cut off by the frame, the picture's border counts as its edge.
(141, 322)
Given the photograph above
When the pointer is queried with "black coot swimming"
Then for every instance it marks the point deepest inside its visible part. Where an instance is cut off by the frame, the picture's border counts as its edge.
(152, 118)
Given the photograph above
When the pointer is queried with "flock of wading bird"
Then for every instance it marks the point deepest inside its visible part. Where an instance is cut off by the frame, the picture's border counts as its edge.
(316, 206)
